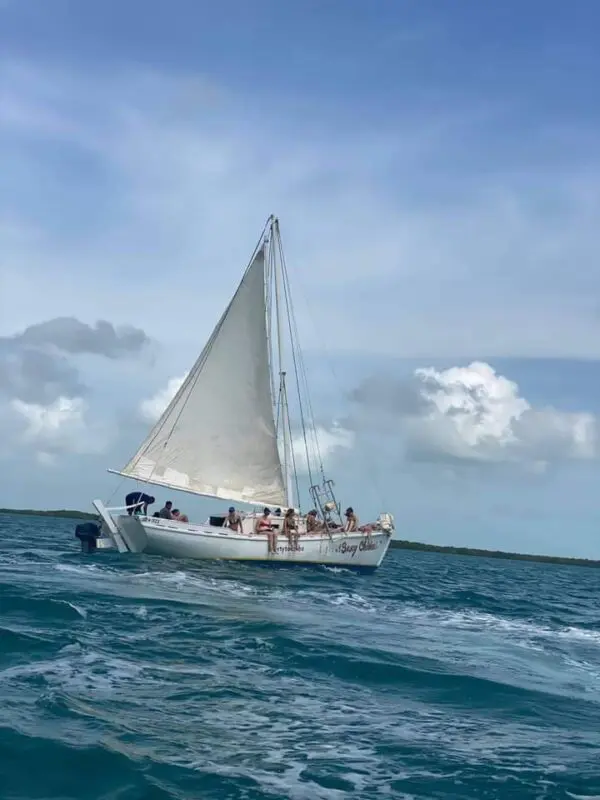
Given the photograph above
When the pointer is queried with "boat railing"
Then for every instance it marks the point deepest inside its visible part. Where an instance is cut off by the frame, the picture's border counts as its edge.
(122, 508)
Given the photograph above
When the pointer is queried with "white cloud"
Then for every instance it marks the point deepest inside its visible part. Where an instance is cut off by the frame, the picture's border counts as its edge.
(389, 267)
(153, 407)
(331, 443)
(59, 427)
(472, 414)
(471, 411)
(468, 414)
(46, 421)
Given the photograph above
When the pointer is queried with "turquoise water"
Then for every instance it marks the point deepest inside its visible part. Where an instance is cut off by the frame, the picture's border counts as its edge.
(139, 678)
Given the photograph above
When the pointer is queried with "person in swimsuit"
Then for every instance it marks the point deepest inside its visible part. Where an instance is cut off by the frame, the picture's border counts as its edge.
(233, 521)
(290, 528)
(351, 520)
(263, 525)
(176, 514)
(313, 524)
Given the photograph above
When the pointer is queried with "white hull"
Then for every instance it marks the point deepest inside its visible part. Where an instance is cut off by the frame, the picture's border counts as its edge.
(183, 540)
(341, 549)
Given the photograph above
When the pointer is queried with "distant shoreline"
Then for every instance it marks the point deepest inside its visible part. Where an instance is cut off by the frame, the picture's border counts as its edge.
(64, 513)
(396, 544)
(401, 544)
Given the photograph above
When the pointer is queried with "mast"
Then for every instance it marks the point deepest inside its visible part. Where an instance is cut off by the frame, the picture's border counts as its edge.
(283, 402)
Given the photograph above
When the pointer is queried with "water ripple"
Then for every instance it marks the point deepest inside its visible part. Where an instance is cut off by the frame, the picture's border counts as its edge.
(137, 678)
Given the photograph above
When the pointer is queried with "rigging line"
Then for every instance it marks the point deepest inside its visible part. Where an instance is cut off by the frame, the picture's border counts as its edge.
(269, 314)
(281, 401)
(115, 490)
(303, 372)
(315, 437)
(373, 471)
(292, 454)
(278, 405)
(299, 366)
(286, 293)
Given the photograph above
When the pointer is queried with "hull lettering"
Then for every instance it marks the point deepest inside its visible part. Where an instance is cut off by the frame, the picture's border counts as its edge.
(350, 549)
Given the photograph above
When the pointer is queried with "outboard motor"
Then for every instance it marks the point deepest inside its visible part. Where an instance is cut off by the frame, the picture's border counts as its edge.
(88, 533)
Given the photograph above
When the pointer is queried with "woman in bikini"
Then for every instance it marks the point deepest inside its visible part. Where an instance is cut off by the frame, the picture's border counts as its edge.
(233, 521)
(263, 525)
(290, 528)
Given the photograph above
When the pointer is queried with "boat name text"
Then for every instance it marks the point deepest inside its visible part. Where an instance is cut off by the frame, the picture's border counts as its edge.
(365, 544)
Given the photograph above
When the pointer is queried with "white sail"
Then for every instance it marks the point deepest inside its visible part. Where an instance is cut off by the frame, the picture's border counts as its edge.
(217, 437)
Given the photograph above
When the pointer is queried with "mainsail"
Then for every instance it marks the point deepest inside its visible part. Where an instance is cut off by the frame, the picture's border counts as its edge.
(217, 437)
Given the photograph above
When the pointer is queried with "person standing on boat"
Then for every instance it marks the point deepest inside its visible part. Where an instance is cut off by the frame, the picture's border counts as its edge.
(263, 525)
(233, 521)
(351, 520)
(138, 502)
(290, 528)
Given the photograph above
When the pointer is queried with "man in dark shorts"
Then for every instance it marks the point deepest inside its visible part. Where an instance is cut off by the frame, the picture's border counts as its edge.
(138, 502)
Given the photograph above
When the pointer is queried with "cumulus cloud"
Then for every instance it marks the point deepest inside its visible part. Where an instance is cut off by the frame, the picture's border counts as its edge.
(332, 442)
(472, 414)
(36, 376)
(70, 335)
(34, 365)
(462, 414)
(60, 427)
(153, 407)
(41, 391)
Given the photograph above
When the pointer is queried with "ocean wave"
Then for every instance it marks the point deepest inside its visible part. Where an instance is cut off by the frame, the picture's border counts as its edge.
(140, 678)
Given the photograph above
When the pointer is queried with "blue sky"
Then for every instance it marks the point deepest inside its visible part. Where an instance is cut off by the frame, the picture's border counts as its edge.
(435, 167)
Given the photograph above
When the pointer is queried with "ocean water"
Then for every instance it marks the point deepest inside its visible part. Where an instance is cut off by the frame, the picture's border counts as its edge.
(140, 678)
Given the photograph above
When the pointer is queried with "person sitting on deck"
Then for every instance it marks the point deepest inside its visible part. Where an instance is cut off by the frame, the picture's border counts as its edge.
(351, 520)
(263, 525)
(233, 521)
(290, 528)
(176, 514)
(138, 502)
(313, 524)
(165, 512)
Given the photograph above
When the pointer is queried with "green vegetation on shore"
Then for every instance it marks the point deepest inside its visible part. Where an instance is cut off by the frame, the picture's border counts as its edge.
(471, 551)
(65, 513)
(400, 544)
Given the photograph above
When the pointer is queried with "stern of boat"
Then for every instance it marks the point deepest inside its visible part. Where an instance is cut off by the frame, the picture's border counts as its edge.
(116, 531)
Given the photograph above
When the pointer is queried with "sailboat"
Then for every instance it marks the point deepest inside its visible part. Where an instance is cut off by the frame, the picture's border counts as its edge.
(226, 434)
